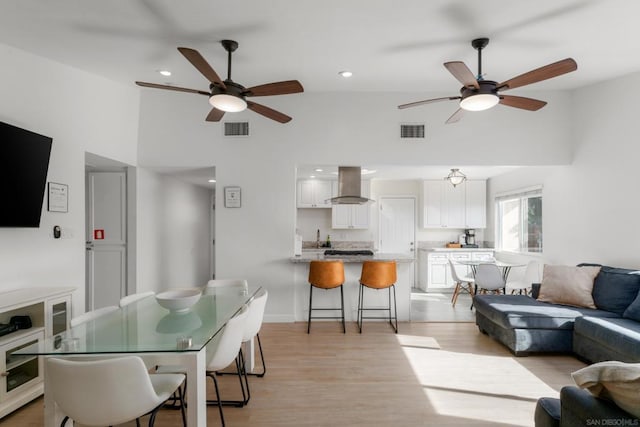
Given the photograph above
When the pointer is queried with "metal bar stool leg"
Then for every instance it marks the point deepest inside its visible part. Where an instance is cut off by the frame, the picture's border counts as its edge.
(360, 304)
(395, 307)
(344, 329)
(310, 300)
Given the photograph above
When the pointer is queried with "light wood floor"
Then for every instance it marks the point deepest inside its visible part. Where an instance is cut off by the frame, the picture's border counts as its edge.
(429, 374)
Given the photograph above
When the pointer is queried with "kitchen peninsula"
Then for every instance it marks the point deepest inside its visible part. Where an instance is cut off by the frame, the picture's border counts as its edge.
(352, 270)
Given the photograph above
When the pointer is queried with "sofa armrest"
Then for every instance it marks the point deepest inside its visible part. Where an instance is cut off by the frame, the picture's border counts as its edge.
(581, 408)
(535, 290)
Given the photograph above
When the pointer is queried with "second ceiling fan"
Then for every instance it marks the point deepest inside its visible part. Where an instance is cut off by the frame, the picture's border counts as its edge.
(229, 96)
(478, 94)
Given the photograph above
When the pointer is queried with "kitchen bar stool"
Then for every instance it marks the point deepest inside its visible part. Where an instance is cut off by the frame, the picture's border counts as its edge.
(378, 275)
(326, 275)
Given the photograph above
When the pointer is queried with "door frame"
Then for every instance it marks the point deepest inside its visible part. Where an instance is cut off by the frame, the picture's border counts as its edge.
(96, 163)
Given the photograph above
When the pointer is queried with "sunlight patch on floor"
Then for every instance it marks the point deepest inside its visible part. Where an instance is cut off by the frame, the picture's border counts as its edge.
(418, 341)
(475, 387)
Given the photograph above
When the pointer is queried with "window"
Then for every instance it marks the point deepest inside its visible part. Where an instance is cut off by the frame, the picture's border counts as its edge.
(519, 221)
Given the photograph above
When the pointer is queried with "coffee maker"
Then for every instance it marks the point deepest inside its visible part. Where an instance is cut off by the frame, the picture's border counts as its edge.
(470, 238)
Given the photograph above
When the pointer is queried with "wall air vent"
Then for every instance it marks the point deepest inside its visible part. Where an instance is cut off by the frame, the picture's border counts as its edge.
(412, 131)
(236, 128)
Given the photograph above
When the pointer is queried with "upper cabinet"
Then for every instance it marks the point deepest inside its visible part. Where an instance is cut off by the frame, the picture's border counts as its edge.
(352, 216)
(476, 203)
(446, 206)
(314, 193)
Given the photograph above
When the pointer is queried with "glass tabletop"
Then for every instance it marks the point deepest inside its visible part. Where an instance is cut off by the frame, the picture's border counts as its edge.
(144, 326)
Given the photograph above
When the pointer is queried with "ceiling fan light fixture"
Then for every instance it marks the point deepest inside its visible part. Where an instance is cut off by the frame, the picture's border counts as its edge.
(479, 102)
(456, 177)
(228, 103)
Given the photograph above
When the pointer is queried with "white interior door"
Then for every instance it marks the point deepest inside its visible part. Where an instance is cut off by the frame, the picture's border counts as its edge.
(106, 238)
(397, 224)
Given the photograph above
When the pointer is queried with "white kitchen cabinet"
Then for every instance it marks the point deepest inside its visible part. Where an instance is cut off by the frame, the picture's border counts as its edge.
(438, 272)
(314, 193)
(446, 206)
(352, 216)
(476, 204)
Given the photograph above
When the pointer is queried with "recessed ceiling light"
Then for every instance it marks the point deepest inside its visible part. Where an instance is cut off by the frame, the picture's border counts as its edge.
(212, 180)
(165, 73)
(346, 74)
(318, 170)
(312, 176)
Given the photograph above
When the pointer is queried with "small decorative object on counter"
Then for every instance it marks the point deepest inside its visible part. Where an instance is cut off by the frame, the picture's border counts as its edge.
(318, 239)
(328, 241)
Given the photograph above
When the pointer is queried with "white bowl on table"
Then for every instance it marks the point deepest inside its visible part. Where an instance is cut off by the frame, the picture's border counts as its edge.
(179, 300)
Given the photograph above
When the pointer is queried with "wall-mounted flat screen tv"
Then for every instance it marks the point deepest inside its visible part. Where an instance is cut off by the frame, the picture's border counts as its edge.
(23, 175)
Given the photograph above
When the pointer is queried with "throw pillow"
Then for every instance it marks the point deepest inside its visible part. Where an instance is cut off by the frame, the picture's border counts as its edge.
(617, 381)
(567, 285)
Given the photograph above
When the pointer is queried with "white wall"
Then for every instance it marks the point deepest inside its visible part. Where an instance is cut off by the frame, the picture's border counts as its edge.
(256, 240)
(590, 207)
(172, 232)
(81, 112)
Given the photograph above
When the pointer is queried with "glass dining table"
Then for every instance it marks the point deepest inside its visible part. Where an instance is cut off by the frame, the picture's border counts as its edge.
(160, 337)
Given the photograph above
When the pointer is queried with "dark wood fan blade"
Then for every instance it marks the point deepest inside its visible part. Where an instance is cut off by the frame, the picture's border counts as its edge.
(521, 102)
(539, 74)
(277, 88)
(179, 89)
(461, 72)
(455, 117)
(214, 115)
(202, 65)
(427, 101)
(268, 112)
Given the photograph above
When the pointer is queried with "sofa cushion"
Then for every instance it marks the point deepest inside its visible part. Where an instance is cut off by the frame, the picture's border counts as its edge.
(563, 284)
(615, 289)
(620, 334)
(617, 381)
(520, 311)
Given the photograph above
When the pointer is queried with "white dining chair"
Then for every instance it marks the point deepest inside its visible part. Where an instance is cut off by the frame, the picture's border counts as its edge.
(489, 278)
(224, 351)
(252, 327)
(124, 301)
(107, 392)
(93, 314)
(463, 283)
(523, 285)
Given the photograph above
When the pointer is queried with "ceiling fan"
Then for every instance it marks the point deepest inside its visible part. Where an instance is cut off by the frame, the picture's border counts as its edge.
(478, 94)
(229, 96)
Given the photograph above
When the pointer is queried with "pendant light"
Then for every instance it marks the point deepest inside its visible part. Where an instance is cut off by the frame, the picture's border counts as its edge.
(456, 177)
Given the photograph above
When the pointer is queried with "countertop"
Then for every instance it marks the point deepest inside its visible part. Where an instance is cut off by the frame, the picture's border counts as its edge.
(456, 249)
(307, 257)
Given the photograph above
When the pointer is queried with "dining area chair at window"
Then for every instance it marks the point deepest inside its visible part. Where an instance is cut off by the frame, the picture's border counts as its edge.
(464, 284)
(489, 278)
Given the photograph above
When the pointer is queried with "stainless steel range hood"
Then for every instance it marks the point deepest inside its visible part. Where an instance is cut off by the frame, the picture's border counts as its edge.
(349, 187)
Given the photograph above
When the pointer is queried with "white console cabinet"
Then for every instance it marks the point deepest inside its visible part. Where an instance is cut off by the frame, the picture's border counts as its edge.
(21, 376)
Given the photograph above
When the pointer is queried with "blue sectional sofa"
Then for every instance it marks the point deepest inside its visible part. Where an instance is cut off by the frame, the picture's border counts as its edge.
(578, 408)
(609, 332)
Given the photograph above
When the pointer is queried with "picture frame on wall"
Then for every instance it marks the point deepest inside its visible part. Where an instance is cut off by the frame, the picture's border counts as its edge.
(232, 197)
(58, 197)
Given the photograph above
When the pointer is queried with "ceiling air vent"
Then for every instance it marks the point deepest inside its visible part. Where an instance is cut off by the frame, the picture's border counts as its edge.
(236, 128)
(412, 131)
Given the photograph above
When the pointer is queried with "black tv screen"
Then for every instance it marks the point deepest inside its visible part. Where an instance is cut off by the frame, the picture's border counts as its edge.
(23, 175)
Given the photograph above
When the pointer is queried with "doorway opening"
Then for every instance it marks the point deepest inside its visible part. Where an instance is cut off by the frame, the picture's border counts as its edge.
(109, 230)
